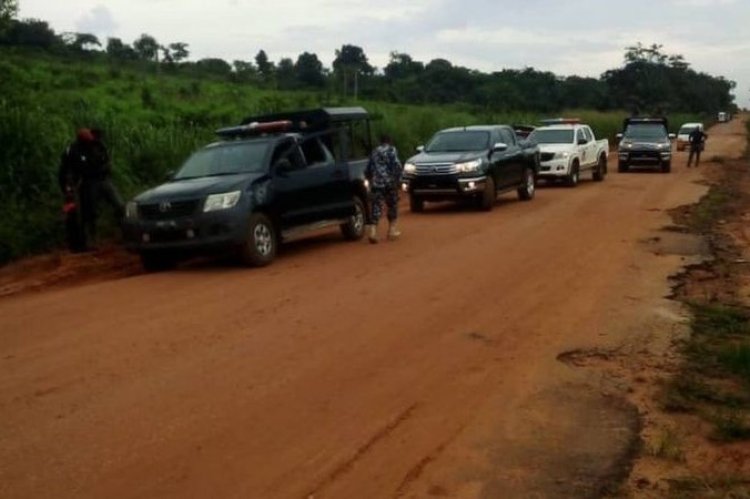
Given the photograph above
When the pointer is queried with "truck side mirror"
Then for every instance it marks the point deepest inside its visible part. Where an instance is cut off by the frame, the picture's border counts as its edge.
(420, 148)
(500, 147)
(619, 136)
(169, 176)
(582, 141)
(672, 136)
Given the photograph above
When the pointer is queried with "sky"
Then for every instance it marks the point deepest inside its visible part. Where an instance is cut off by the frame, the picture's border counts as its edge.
(574, 37)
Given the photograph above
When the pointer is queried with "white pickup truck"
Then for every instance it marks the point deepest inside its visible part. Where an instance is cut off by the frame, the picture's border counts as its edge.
(567, 149)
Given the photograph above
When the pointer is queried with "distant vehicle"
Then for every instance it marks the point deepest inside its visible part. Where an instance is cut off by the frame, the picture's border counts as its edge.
(645, 142)
(683, 135)
(268, 180)
(567, 149)
(723, 117)
(476, 163)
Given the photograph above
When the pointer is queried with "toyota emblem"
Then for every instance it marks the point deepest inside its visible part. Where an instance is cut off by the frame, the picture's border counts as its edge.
(434, 169)
(165, 206)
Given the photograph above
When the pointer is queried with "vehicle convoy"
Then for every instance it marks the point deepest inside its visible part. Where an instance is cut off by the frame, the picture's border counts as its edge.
(471, 163)
(568, 149)
(683, 135)
(645, 142)
(265, 181)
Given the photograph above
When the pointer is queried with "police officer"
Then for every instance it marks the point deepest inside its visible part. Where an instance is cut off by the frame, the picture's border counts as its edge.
(85, 174)
(697, 140)
(384, 174)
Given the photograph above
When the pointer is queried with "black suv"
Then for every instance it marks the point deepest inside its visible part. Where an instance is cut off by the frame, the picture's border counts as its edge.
(475, 163)
(645, 142)
(267, 180)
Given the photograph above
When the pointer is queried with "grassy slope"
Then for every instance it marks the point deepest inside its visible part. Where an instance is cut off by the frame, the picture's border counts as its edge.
(153, 121)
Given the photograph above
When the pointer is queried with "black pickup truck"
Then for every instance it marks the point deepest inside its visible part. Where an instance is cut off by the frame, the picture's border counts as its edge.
(645, 142)
(269, 179)
(475, 163)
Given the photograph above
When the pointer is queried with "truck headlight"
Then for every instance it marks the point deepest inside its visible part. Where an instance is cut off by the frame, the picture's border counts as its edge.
(469, 166)
(410, 168)
(131, 210)
(216, 202)
(562, 155)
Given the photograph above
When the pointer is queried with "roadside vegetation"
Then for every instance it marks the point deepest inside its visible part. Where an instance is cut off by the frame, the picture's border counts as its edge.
(156, 106)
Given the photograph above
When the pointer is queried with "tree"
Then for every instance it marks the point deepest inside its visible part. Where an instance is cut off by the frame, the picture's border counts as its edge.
(146, 47)
(265, 67)
(213, 65)
(350, 63)
(179, 51)
(285, 75)
(85, 41)
(8, 12)
(309, 70)
(244, 71)
(116, 49)
(32, 33)
(402, 66)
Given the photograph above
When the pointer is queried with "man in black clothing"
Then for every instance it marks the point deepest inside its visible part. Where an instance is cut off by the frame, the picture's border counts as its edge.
(85, 176)
(697, 140)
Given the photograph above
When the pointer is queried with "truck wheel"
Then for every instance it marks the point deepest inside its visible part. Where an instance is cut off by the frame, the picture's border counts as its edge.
(528, 189)
(572, 179)
(601, 169)
(261, 244)
(157, 262)
(489, 196)
(622, 167)
(354, 228)
(666, 167)
(416, 204)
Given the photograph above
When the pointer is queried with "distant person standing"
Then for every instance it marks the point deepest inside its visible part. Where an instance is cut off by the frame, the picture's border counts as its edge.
(85, 180)
(384, 174)
(697, 140)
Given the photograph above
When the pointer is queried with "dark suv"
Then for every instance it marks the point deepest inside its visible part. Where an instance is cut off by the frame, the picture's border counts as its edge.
(268, 180)
(645, 142)
(475, 163)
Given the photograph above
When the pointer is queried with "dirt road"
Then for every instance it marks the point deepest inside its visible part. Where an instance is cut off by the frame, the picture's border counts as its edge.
(426, 367)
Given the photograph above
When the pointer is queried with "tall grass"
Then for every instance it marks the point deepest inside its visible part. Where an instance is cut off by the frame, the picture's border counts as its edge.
(152, 122)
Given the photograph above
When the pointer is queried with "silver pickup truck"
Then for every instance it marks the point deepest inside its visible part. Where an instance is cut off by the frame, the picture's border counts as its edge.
(567, 149)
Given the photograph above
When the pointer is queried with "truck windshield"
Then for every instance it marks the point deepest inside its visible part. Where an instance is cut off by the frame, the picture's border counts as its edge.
(552, 137)
(228, 159)
(646, 132)
(459, 141)
(687, 130)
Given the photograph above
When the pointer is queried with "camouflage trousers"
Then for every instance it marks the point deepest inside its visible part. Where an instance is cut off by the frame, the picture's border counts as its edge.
(387, 196)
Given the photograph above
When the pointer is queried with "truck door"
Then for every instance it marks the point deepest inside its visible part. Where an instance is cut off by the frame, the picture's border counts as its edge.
(298, 189)
(510, 162)
(591, 157)
(333, 194)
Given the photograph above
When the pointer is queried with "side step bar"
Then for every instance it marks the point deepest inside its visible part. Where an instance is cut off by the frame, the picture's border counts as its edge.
(304, 229)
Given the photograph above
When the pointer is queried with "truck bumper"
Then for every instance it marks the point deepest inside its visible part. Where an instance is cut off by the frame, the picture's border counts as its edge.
(554, 169)
(645, 157)
(444, 187)
(204, 232)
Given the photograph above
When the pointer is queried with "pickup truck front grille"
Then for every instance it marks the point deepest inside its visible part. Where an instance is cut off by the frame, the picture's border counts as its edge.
(546, 156)
(436, 169)
(167, 210)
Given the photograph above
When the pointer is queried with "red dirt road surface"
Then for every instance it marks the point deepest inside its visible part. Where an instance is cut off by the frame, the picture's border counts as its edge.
(426, 367)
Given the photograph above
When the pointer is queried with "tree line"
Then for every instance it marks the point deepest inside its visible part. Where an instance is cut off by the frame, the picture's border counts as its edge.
(649, 80)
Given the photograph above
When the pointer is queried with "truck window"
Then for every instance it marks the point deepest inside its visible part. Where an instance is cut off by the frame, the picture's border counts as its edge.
(288, 151)
(588, 134)
(315, 152)
(360, 144)
(508, 137)
(579, 136)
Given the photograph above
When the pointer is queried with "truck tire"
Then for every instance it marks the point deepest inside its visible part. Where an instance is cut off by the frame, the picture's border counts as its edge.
(262, 241)
(572, 179)
(528, 189)
(666, 167)
(601, 169)
(153, 261)
(489, 196)
(623, 167)
(416, 204)
(354, 228)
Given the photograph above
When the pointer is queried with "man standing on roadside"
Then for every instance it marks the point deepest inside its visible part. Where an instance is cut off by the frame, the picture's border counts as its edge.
(697, 140)
(384, 174)
(85, 179)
